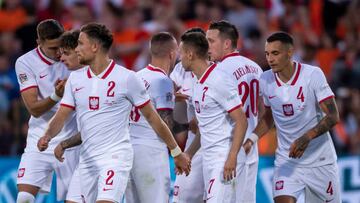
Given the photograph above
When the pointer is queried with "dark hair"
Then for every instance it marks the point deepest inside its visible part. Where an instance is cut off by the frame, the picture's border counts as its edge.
(283, 37)
(226, 31)
(195, 29)
(69, 40)
(100, 33)
(198, 42)
(49, 29)
(161, 44)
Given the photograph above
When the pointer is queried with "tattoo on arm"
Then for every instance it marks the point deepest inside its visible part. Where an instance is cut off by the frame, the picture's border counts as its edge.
(167, 116)
(71, 142)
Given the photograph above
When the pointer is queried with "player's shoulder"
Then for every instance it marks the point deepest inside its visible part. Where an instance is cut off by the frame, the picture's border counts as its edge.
(28, 58)
(268, 75)
(309, 69)
(79, 73)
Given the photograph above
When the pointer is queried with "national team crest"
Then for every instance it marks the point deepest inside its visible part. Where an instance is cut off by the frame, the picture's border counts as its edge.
(94, 103)
(23, 77)
(176, 190)
(279, 185)
(197, 106)
(169, 96)
(21, 172)
(288, 109)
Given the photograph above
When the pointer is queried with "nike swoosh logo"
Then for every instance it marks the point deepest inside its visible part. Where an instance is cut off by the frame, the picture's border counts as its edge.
(184, 90)
(77, 89)
(270, 97)
(42, 76)
(209, 198)
(329, 200)
(107, 189)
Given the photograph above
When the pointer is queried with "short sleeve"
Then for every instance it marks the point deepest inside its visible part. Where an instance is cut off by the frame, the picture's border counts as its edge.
(164, 96)
(25, 76)
(320, 86)
(226, 94)
(136, 91)
(68, 97)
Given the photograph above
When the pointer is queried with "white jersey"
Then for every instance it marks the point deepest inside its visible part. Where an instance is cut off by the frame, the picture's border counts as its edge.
(214, 98)
(103, 103)
(161, 90)
(295, 109)
(35, 70)
(246, 74)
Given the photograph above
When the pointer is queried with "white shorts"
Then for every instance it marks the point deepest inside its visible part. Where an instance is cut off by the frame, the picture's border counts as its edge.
(105, 179)
(190, 189)
(36, 168)
(74, 191)
(217, 189)
(150, 176)
(246, 182)
(320, 184)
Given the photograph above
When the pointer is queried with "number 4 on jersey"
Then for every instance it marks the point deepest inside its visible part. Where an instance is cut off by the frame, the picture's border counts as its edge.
(300, 94)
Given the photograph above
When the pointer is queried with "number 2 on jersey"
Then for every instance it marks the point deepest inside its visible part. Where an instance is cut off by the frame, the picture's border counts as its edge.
(249, 90)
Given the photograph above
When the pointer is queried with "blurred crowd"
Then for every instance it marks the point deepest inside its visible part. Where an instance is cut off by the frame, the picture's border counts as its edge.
(327, 34)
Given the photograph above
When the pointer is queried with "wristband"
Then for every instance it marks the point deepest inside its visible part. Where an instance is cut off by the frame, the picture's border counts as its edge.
(54, 97)
(175, 152)
(253, 137)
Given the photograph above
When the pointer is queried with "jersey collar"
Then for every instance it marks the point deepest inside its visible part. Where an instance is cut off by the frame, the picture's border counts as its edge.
(44, 58)
(156, 69)
(104, 74)
(207, 73)
(230, 55)
(294, 77)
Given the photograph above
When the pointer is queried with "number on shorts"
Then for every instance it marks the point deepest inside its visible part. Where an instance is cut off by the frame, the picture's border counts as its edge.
(109, 179)
(330, 189)
(211, 184)
(252, 90)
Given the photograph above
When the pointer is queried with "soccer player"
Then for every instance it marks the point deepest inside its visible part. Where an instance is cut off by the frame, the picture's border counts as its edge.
(301, 104)
(42, 78)
(223, 37)
(102, 94)
(188, 189)
(221, 121)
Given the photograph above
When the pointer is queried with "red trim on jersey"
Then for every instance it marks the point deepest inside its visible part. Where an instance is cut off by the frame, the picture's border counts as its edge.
(153, 68)
(230, 55)
(88, 72)
(207, 73)
(42, 57)
(277, 80)
(296, 74)
(329, 97)
(28, 88)
(67, 105)
(143, 104)
(233, 109)
(164, 109)
(108, 71)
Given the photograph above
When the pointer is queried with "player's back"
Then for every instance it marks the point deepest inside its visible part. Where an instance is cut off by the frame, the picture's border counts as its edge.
(35, 70)
(295, 108)
(160, 89)
(246, 74)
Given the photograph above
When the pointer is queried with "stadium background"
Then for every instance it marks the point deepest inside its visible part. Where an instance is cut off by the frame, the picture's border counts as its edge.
(326, 33)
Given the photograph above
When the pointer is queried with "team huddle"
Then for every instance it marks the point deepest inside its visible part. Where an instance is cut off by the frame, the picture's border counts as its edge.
(107, 131)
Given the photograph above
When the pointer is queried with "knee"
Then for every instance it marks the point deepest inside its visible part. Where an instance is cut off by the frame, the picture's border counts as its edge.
(25, 197)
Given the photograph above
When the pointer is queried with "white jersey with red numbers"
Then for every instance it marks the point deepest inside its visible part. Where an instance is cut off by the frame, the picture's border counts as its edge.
(35, 70)
(246, 74)
(103, 103)
(214, 98)
(295, 109)
(161, 90)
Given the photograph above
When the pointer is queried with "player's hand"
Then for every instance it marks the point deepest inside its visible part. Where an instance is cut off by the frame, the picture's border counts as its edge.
(299, 146)
(248, 145)
(43, 143)
(179, 97)
(182, 163)
(59, 152)
(230, 167)
(60, 87)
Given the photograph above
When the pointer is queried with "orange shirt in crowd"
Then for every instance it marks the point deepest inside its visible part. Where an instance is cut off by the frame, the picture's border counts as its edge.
(11, 20)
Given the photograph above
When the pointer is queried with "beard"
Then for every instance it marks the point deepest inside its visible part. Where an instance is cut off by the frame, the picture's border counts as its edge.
(84, 61)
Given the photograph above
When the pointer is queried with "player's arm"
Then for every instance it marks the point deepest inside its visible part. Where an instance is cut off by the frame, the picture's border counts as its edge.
(54, 127)
(66, 144)
(195, 145)
(167, 116)
(38, 107)
(329, 107)
(161, 129)
(240, 125)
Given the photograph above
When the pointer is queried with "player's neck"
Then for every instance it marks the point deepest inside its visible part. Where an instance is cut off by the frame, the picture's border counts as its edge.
(161, 63)
(99, 64)
(199, 67)
(288, 71)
